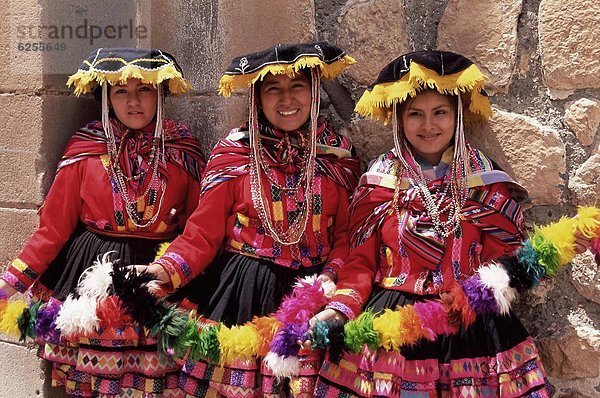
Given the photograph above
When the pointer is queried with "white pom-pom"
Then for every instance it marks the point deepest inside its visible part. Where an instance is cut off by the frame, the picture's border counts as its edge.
(282, 366)
(77, 316)
(95, 281)
(495, 277)
(307, 280)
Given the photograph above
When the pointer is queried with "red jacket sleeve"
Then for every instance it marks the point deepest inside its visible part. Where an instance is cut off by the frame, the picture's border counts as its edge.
(192, 252)
(59, 216)
(339, 236)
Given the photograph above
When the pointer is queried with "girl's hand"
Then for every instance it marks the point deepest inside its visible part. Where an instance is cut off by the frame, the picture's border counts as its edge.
(161, 278)
(6, 290)
(325, 315)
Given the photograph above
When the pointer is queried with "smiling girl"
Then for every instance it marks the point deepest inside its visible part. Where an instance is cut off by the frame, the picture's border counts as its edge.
(273, 207)
(124, 185)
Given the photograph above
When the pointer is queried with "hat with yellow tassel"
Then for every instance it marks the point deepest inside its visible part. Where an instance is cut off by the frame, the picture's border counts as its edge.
(116, 65)
(286, 59)
(407, 75)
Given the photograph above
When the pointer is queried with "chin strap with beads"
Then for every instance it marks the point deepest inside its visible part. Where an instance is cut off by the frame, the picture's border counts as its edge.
(109, 294)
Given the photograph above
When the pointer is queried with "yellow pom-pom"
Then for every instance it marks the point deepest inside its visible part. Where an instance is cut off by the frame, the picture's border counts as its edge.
(8, 323)
(411, 329)
(238, 342)
(588, 221)
(387, 326)
(561, 235)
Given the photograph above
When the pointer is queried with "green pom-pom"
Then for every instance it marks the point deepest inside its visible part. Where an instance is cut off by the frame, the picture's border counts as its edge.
(208, 344)
(169, 328)
(548, 255)
(188, 340)
(359, 332)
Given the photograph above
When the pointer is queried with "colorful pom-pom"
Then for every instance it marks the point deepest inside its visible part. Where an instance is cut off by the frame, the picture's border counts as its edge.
(238, 342)
(360, 331)
(387, 327)
(320, 335)
(8, 323)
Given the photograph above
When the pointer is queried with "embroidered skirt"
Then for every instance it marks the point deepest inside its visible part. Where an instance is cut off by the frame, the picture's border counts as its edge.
(235, 289)
(117, 361)
(494, 357)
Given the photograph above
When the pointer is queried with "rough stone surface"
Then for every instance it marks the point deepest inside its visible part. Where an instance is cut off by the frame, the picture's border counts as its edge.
(18, 75)
(20, 122)
(573, 354)
(568, 44)
(586, 276)
(16, 226)
(370, 138)
(526, 150)
(486, 32)
(373, 32)
(585, 184)
(20, 372)
(583, 118)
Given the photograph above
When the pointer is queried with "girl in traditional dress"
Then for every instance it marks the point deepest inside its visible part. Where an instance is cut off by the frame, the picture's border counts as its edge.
(426, 218)
(125, 184)
(273, 207)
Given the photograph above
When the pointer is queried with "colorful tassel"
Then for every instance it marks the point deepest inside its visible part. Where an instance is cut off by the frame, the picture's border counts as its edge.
(360, 331)
(266, 327)
(282, 366)
(8, 323)
(46, 319)
(320, 335)
(96, 280)
(77, 316)
(387, 327)
(238, 343)
(208, 344)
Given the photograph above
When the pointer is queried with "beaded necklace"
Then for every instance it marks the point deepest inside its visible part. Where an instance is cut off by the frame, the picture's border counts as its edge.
(258, 166)
(156, 186)
(433, 202)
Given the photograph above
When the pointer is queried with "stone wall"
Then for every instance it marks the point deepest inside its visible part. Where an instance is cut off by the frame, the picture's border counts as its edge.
(543, 59)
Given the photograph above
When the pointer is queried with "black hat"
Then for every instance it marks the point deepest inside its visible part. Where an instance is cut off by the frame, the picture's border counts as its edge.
(289, 59)
(116, 65)
(447, 72)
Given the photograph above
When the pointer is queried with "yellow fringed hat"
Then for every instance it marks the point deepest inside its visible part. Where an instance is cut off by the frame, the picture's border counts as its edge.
(116, 65)
(284, 59)
(447, 72)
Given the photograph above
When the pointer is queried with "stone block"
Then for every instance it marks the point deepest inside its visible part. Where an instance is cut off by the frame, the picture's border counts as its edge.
(583, 118)
(20, 372)
(585, 184)
(521, 145)
(374, 33)
(16, 225)
(370, 138)
(21, 122)
(569, 48)
(486, 32)
(209, 117)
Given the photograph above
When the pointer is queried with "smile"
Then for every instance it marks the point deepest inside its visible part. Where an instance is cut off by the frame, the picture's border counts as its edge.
(288, 113)
(429, 136)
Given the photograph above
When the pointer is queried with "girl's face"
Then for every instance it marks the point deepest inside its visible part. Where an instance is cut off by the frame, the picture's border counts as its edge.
(285, 100)
(428, 122)
(134, 103)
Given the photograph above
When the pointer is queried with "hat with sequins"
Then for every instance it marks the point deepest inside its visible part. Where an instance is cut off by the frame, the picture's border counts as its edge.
(407, 75)
(116, 65)
(286, 59)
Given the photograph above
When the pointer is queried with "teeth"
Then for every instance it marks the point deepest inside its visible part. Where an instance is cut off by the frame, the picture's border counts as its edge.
(288, 113)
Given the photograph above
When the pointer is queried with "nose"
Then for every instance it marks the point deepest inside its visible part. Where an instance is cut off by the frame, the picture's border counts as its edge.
(286, 97)
(133, 97)
(428, 123)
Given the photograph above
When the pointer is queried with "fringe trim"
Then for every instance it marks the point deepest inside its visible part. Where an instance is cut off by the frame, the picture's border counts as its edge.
(377, 103)
(84, 81)
(229, 83)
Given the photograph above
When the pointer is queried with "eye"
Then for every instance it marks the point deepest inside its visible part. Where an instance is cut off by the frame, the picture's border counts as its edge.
(441, 112)
(145, 88)
(119, 90)
(414, 113)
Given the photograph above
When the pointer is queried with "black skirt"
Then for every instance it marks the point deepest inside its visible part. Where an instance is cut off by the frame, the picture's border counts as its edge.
(85, 247)
(236, 288)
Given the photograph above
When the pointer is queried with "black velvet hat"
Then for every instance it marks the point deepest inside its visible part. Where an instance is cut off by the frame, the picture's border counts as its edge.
(116, 65)
(289, 59)
(444, 71)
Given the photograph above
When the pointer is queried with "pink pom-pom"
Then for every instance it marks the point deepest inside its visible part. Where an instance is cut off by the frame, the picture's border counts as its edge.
(434, 318)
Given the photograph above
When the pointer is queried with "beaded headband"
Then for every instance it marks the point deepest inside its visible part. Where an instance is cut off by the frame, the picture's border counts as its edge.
(116, 65)
(284, 59)
(407, 75)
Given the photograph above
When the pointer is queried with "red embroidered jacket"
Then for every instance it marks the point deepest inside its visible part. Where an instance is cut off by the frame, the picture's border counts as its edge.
(81, 194)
